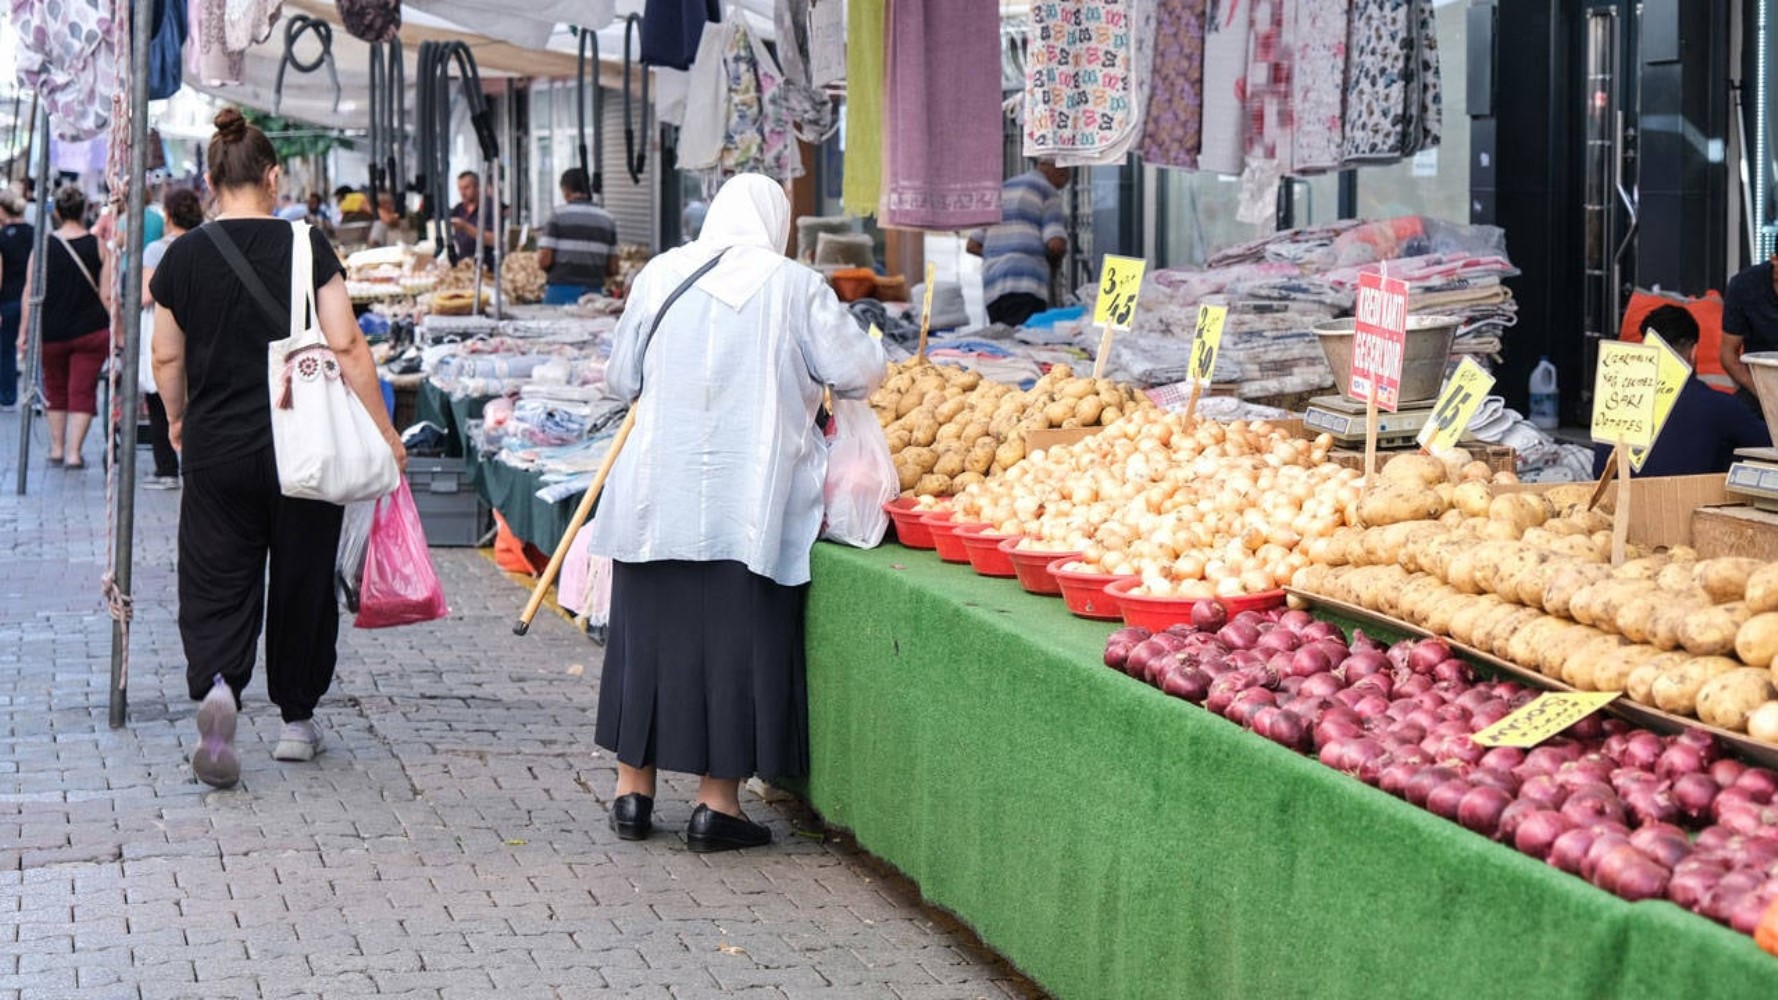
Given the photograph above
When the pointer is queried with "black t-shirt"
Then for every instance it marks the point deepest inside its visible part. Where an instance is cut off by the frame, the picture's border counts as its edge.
(15, 259)
(1750, 308)
(228, 407)
(71, 305)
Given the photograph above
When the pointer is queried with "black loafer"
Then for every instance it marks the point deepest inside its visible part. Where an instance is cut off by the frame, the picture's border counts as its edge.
(710, 831)
(632, 816)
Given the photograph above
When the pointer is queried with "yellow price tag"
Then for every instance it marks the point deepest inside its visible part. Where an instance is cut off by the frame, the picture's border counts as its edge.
(1120, 282)
(876, 332)
(1207, 341)
(931, 279)
(1548, 715)
(1462, 396)
(1674, 373)
(1624, 390)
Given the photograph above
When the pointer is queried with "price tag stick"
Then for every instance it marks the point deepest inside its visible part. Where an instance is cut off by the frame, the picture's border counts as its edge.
(1370, 437)
(926, 312)
(1605, 479)
(1104, 351)
(925, 325)
(1620, 519)
(1191, 405)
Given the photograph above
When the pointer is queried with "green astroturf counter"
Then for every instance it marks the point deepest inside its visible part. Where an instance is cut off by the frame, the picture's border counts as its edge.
(1115, 842)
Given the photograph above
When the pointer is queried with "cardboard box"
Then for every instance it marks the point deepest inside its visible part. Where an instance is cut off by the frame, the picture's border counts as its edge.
(1735, 530)
(1046, 439)
(1661, 507)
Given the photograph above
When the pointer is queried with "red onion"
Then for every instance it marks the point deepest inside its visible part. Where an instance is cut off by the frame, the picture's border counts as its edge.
(1315, 631)
(1570, 849)
(1422, 784)
(1544, 790)
(1641, 751)
(1453, 671)
(1209, 615)
(1241, 710)
(1664, 844)
(1238, 635)
(1309, 661)
(1694, 794)
(1495, 777)
(1689, 888)
(1377, 684)
(1407, 732)
(1279, 640)
(1489, 714)
(1625, 778)
(1589, 728)
(1481, 807)
(1189, 683)
(1586, 806)
(1455, 713)
(1362, 753)
(1744, 918)
(1680, 758)
(1425, 718)
(1546, 758)
(1360, 641)
(1369, 704)
(1448, 797)
(1538, 832)
(1396, 776)
(1503, 758)
(1515, 813)
(1731, 890)
(1360, 665)
(1281, 726)
(1348, 697)
(1224, 689)
(1725, 771)
(1613, 746)
(1462, 748)
(1759, 784)
(1296, 620)
(1288, 688)
(1584, 772)
(1426, 654)
(1631, 874)
(1414, 685)
(1603, 845)
(1705, 743)
(1321, 685)
(1712, 838)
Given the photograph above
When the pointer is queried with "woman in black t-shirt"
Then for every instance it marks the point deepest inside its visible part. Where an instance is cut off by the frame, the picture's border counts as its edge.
(76, 328)
(16, 237)
(210, 341)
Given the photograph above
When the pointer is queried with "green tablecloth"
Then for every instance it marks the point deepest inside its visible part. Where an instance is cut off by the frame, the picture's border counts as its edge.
(1115, 842)
(512, 492)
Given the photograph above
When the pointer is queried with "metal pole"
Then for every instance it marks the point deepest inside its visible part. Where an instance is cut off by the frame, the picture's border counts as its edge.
(132, 346)
(34, 330)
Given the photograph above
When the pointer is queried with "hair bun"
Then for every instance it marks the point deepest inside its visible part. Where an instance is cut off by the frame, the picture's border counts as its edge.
(231, 126)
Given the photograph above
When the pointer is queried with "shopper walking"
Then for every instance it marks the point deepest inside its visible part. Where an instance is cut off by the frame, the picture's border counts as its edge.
(16, 240)
(183, 214)
(75, 328)
(712, 508)
(210, 340)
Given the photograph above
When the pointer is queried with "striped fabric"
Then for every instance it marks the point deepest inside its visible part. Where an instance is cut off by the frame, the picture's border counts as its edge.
(1013, 255)
(583, 236)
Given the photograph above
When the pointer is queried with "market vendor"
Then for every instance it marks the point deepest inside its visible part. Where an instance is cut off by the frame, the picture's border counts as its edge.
(1749, 323)
(472, 220)
(1705, 427)
(390, 228)
(578, 247)
(1019, 253)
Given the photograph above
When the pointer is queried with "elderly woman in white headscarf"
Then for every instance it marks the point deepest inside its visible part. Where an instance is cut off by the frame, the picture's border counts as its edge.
(712, 508)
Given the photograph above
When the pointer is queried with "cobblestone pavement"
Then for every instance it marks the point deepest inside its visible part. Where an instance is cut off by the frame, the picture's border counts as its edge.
(451, 842)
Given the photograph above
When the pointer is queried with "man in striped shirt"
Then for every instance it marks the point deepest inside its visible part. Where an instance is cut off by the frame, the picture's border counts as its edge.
(578, 247)
(1017, 254)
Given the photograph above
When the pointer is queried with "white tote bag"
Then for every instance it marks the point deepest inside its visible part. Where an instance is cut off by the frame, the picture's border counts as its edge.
(327, 445)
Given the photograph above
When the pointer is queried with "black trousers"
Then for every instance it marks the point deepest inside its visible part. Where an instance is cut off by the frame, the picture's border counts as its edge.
(166, 460)
(232, 517)
(1016, 308)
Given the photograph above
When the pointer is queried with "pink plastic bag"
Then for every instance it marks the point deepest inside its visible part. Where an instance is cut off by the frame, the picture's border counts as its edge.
(400, 587)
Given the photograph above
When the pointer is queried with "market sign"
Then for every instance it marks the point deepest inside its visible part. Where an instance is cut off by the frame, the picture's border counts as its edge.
(1546, 715)
(1674, 373)
(1457, 405)
(1120, 283)
(1625, 385)
(1379, 337)
(1206, 342)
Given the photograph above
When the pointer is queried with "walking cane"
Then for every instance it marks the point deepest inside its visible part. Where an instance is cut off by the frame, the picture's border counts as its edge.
(580, 515)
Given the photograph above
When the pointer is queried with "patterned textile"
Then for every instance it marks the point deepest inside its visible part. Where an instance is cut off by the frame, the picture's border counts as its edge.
(1379, 44)
(943, 162)
(734, 122)
(1086, 78)
(68, 52)
(1173, 131)
(1317, 84)
(246, 23)
(1224, 148)
(1430, 119)
(211, 60)
(1269, 51)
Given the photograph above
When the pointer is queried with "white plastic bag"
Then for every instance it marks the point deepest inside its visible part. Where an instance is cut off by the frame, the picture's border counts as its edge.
(861, 477)
(348, 577)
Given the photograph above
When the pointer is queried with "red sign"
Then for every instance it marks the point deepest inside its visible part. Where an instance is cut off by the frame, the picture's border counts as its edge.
(1378, 339)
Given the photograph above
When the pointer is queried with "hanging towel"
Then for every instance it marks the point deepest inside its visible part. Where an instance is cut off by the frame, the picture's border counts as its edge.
(943, 115)
(866, 23)
(1173, 130)
(1378, 49)
(673, 30)
(1317, 85)
(68, 53)
(1086, 77)
(1224, 147)
(1431, 105)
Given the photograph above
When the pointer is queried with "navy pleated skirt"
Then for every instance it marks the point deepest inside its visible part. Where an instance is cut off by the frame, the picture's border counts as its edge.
(704, 671)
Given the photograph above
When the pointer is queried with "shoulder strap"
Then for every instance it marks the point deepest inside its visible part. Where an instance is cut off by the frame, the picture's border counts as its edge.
(250, 278)
(661, 313)
(84, 270)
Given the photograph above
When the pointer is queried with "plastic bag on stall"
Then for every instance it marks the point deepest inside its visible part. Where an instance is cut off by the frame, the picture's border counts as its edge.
(348, 567)
(400, 585)
(861, 477)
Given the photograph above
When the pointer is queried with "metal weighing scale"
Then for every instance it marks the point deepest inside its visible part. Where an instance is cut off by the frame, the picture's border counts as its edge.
(1344, 419)
(1755, 477)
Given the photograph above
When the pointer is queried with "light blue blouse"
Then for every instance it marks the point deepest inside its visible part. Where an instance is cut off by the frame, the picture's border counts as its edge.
(725, 461)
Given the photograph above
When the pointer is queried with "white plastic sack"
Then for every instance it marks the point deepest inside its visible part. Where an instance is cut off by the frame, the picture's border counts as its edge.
(348, 577)
(861, 477)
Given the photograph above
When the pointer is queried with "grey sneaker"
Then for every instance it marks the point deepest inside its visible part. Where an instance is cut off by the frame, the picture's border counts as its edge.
(161, 483)
(299, 741)
(214, 761)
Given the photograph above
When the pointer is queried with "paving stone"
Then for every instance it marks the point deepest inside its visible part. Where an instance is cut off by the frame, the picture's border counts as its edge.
(451, 842)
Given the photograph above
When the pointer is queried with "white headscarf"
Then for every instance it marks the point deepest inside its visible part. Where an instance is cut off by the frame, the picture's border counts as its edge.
(750, 218)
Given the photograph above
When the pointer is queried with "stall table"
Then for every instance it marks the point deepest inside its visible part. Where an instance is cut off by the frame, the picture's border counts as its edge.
(509, 490)
(1112, 841)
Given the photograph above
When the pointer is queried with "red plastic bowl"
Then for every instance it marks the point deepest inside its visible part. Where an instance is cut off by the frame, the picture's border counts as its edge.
(1157, 613)
(944, 536)
(909, 531)
(1084, 593)
(983, 547)
(1032, 567)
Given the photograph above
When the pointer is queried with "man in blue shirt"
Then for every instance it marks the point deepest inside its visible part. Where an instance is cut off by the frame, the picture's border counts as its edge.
(1705, 427)
(1018, 254)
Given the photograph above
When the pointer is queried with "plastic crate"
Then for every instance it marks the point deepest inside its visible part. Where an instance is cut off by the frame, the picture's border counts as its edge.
(450, 511)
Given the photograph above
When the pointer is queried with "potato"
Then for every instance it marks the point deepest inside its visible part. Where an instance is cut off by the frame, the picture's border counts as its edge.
(1522, 510)
(1756, 641)
(1726, 579)
(907, 473)
(1762, 723)
(1762, 588)
(1568, 582)
(1463, 620)
(1612, 671)
(1525, 645)
(1710, 630)
(949, 464)
(1728, 700)
(963, 481)
(1473, 498)
(1461, 572)
(933, 485)
(1677, 690)
(1549, 655)
(1477, 472)
(1414, 470)
(1635, 618)
(1672, 615)
(1499, 636)
(1393, 502)
(1641, 682)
